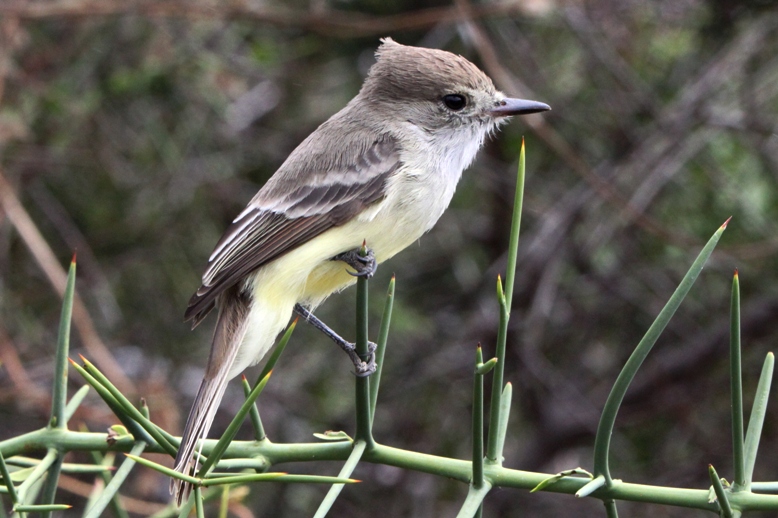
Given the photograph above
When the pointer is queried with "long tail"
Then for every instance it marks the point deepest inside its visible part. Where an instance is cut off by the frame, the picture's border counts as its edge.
(227, 337)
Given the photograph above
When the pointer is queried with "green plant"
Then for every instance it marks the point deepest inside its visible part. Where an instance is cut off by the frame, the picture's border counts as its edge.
(23, 479)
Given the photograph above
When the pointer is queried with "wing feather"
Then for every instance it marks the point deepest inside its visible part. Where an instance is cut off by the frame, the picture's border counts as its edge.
(272, 225)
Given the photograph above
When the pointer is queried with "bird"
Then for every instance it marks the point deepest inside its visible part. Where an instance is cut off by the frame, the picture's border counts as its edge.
(379, 172)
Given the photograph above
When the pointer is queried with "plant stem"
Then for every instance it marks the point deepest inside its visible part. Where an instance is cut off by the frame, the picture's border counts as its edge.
(60, 384)
(616, 396)
(364, 430)
(736, 387)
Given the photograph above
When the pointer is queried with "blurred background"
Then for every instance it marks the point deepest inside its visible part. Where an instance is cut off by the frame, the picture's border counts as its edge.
(133, 132)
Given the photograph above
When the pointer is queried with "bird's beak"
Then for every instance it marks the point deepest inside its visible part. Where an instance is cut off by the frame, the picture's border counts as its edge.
(508, 107)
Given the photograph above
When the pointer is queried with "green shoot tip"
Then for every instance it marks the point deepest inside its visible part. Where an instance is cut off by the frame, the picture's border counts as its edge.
(726, 222)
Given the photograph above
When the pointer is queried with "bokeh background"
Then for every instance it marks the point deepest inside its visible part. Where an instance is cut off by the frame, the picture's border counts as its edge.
(134, 132)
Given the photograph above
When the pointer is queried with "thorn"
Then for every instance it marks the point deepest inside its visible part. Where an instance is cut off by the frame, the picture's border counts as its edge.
(522, 142)
(243, 377)
(726, 222)
(73, 259)
(394, 276)
(71, 361)
(355, 481)
(735, 272)
(82, 357)
(294, 322)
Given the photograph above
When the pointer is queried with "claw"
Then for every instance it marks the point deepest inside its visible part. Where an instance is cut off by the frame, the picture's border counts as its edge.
(363, 265)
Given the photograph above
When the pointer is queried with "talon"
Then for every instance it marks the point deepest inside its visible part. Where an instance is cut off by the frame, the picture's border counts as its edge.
(364, 266)
(366, 368)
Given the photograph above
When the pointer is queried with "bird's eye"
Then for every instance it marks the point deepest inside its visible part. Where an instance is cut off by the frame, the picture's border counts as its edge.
(455, 101)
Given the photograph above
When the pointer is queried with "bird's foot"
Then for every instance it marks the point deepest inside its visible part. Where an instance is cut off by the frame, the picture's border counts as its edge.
(362, 367)
(363, 265)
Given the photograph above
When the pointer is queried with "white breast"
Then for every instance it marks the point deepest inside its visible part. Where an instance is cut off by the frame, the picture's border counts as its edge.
(421, 191)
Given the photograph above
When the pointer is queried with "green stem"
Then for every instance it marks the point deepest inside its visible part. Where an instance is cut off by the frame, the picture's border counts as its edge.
(256, 421)
(50, 487)
(138, 432)
(473, 501)
(23, 491)
(364, 430)
(502, 422)
(232, 429)
(610, 508)
(7, 480)
(345, 472)
(116, 482)
(60, 384)
(505, 299)
(198, 498)
(736, 387)
(756, 420)
(513, 244)
(497, 377)
(383, 337)
(478, 422)
(75, 401)
(721, 495)
(224, 502)
(116, 505)
(616, 396)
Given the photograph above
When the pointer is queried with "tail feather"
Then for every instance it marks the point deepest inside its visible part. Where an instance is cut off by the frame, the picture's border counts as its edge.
(227, 338)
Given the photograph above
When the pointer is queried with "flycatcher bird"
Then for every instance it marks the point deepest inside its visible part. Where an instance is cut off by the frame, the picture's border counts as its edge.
(381, 171)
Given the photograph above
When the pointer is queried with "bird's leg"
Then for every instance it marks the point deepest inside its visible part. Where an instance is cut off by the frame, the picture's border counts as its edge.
(363, 368)
(364, 265)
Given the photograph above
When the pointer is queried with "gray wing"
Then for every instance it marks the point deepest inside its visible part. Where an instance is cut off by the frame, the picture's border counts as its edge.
(294, 207)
